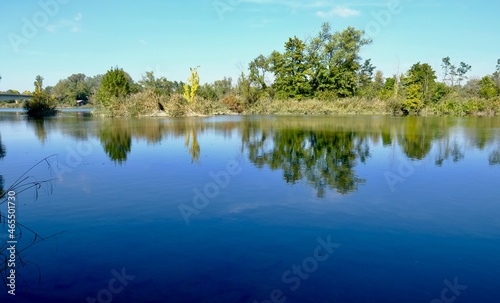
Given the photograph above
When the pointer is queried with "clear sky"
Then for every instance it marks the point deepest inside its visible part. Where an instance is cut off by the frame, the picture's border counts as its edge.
(168, 37)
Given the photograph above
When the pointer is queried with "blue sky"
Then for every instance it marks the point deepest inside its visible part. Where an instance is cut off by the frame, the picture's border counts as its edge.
(223, 36)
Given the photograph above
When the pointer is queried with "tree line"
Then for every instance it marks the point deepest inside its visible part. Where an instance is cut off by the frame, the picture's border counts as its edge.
(327, 67)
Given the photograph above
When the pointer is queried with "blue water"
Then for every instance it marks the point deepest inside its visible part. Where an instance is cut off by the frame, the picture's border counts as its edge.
(245, 209)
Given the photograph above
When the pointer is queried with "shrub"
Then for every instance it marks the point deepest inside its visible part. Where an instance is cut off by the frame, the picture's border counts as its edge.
(233, 103)
(41, 105)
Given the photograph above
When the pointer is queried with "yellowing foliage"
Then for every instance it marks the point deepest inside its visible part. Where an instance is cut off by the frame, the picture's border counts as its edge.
(191, 88)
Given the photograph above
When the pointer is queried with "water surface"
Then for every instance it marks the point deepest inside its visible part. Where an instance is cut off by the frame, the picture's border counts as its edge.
(241, 209)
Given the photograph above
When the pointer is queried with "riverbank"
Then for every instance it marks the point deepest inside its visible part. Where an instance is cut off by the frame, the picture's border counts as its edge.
(144, 105)
(176, 106)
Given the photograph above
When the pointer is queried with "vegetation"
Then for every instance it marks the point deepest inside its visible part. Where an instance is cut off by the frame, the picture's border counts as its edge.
(42, 104)
(324, 74)
(191, 88)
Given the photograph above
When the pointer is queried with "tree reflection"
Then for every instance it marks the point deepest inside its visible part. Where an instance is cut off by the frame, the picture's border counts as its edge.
(494, 157)
(416, 140)
(39, 126)
(447, 150)
(191, 142)
(323, 158)
(116, 139)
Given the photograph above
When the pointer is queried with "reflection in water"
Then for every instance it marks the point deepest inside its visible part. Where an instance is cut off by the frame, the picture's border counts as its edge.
(323, 158)
(416, 142)
(116, 139)
(494, 157)
(191, 142)
(322, 151)
(39, 127)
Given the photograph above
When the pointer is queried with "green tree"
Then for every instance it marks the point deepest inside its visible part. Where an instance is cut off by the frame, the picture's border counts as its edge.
(496, 75)
(114, 85)
(244, 88)
(291, 70)
(38, 83)
(75, 87)
(42, 104)
(422, 74)
(216, 90)
(365, 84)
(488, 88)
(93, 84)
(413, 102)
(461, 71)
(160, 86)
(259, 67)
(449, 71)
(342, 55)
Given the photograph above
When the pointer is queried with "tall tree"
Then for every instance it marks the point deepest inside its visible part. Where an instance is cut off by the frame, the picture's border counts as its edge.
(291, 70)
(75, 87)
(38, 83)
(422, 74)
(449, 71)
(259, 67)
(114, 85)
(343, 52)
(191, 88)
(496, 74)
(461, 71)
(160, 86)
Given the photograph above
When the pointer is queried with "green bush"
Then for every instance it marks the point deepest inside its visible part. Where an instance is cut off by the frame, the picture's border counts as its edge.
(41, 105)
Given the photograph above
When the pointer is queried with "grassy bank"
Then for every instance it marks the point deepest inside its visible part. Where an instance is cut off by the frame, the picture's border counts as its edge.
(150, 104)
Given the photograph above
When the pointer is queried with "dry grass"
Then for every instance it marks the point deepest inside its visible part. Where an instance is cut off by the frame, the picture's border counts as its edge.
(147, 103)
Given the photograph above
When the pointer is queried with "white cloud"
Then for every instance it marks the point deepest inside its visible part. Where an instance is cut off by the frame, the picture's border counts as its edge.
(339, 11)
(78, 17)
(74, 24)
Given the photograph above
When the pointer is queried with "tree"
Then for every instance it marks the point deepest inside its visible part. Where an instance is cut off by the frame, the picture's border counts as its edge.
(216, 90)
(38, 83)
(496, 75)
(93, 84)
(449, 71)
(160, 86)
(75, 87)
(413, 102)
(365, 77)
(342, 53)
(258, 69)
(488, 89)
(245, 89)
(114, 85)
(291, 70)
(191, 88)
(461, 71)
(42, 104)
(423, 75)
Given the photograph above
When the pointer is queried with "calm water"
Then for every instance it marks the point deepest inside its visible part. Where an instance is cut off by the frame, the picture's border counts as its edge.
(253, 209)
